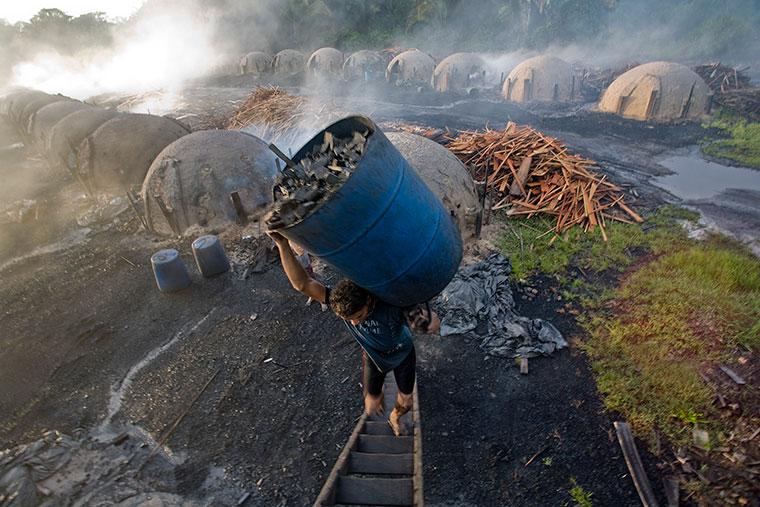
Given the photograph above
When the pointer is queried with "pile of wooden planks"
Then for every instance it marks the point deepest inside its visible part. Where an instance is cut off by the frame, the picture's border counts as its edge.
(533, 174)
(731, 89)
(745, 102)
(721, 78)
(280, 116)
(420, 130)
(595, 80)
(390, 53)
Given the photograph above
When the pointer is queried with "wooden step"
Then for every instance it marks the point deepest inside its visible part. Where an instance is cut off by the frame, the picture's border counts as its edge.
(378, 427)
(373, 450)
(375, 491)
(389, 400)
(376, 463)
(387, 444)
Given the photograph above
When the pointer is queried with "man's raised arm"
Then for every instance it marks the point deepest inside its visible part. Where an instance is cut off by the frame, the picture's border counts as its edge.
(299, 279)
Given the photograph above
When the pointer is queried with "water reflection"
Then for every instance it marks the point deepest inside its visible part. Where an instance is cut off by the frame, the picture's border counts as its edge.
(696, 179)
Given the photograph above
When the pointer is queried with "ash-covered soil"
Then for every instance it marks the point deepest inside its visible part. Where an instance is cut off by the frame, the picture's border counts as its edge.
(258, 392)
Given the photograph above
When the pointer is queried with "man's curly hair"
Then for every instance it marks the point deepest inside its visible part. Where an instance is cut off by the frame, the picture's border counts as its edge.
(347, 298)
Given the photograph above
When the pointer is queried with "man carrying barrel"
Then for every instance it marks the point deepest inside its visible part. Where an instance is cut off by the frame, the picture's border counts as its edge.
(382, 330)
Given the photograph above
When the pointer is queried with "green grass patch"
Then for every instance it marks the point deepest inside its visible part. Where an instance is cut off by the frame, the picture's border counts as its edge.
(529, 246)
(688, 308)
(742, 144)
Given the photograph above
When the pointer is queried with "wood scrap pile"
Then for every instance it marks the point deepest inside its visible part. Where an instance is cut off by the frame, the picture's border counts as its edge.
(721, 78)
(280, 116)
(533, 174)
(731, 89)
(390, 53)
(595, 80)
(420, 130)
(745, 102)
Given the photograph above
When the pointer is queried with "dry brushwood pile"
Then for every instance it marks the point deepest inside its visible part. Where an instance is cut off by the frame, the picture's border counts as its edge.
(721, 78)
(533, 174)
(301, 187)
(594, 80)
(424, 131)
(731, 89)
(281, 116)
(390, 53)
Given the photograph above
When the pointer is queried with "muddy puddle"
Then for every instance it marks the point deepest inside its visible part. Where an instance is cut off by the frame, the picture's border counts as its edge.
(694, 178)
(727, 198)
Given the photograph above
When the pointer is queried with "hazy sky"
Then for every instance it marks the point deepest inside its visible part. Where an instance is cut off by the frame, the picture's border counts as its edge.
(23, 10)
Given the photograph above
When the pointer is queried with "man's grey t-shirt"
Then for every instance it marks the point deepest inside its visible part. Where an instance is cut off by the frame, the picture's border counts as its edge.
(383, 335)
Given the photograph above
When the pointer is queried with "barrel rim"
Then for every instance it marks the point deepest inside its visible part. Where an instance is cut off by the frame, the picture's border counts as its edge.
(301, 153)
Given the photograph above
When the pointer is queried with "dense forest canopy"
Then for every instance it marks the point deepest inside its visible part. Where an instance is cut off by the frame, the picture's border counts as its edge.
(606, 31)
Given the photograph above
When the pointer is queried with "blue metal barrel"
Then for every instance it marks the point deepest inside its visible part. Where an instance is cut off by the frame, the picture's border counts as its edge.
(384, 228)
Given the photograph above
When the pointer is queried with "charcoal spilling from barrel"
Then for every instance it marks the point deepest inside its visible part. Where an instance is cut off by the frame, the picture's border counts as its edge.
(301, 187)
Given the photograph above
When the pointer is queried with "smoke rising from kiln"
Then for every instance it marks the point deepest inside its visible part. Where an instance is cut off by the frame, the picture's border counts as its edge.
(169, 41)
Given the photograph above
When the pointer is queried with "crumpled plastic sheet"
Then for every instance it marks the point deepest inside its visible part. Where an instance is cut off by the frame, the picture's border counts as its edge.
(22, 467)
(478, 303)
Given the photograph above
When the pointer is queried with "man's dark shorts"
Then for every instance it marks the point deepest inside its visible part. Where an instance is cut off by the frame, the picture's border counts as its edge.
(404, 373)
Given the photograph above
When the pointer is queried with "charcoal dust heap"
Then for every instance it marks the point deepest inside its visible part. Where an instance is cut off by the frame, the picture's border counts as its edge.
(301, 187)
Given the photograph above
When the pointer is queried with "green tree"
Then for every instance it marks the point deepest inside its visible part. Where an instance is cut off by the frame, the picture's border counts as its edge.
(92, 29)
(8, 54)
(308, 20)
(430, 12)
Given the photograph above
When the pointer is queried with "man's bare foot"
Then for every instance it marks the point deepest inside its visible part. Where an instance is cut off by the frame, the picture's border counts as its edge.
(399, 428)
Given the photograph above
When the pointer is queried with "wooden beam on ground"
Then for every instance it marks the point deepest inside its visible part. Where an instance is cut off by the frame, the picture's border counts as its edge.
(176, 423)
(633, 460)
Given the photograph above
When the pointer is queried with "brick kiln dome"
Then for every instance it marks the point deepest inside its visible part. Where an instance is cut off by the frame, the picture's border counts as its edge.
(541, 79)
(657, 91)
(13, 102)
(69, 132)
(444, 174)
(34, 105)
(256, 62)
(41, 123)
(364, 61)
(325, 61)
(459, 71)
(410, 67)
(289, 61)
(118, 154)
(195, 175)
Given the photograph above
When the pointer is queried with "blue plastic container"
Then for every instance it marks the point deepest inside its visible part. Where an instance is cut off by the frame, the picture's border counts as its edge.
(169, 270)
(384, 228)
(209, 256)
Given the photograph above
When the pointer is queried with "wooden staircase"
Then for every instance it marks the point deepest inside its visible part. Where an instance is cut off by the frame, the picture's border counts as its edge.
(376, 467)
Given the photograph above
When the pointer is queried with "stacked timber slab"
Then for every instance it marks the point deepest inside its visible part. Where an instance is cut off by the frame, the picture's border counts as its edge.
(376, 467)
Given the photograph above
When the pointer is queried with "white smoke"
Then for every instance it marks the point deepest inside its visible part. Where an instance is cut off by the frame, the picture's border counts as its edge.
(158, 51)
